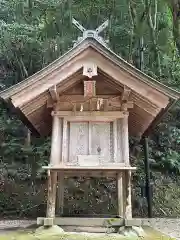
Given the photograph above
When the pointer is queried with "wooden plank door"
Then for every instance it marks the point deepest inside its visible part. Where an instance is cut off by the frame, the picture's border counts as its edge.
(89, 140)
(101, 140)
(78, 140)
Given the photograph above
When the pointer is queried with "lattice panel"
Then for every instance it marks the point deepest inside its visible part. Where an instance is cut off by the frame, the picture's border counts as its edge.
(100, 140)
(91, 142)
(78, 144)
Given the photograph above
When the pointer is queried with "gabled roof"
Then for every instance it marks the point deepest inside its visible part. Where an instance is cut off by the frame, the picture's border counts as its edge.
(106, 52)
(67, 70)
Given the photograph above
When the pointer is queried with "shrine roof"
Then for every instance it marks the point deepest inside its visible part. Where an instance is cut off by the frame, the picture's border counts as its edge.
(103, 49)
(33, 92)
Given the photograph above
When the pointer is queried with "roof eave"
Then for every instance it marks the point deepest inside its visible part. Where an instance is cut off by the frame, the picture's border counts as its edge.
(8, 93)
(171, 93)
(10, 107)
(159, 117)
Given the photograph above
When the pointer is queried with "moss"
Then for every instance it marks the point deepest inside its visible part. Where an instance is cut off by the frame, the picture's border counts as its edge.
(44, 235)
(62, 236)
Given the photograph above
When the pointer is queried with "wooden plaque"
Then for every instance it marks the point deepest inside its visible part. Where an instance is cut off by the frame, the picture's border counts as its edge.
(89, 88)
(88, 160)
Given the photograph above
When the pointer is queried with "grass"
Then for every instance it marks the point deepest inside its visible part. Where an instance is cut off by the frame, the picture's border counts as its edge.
(63, 236)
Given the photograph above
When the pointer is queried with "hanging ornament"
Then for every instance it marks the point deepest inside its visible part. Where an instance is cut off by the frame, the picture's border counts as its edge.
(81, 109)
(99, 103)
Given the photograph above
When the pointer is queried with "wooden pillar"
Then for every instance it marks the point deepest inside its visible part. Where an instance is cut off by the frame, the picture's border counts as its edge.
(63, 158)
(120, 194)
(51, 202)
(128, 205)
(54, 160)
(64, 141)
(125, 158)
(125, 139)
(56, 141)
(60, 194)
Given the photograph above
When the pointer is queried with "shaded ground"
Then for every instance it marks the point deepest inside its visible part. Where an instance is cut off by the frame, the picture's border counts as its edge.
(54, 235)
(19, 230)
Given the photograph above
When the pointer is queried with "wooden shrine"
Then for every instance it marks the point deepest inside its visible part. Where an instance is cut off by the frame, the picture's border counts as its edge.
(90, 100)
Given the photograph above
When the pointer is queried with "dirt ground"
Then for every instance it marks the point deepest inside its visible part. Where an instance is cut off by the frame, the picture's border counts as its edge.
(170, 227)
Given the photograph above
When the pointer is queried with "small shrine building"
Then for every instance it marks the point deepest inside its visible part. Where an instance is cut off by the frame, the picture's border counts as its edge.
(90, 100)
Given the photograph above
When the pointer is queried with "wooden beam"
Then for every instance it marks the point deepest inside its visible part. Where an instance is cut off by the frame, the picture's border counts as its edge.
(81, 98)
(138, 100)
(96, 119)
(35, 104)
(50, 103)
(108, 101)
(99, 174)
(112, 167)
(124, 99)
(70, 83)
(118, 114)
(54, 94)
(87, 116)
(126, 93)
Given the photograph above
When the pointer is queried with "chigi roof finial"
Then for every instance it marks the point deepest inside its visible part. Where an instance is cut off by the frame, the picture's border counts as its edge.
(91, 33)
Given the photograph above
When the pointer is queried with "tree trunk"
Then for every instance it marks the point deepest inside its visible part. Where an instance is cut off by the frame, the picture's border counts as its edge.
(152, 23)
(133, 17)
(174, 6)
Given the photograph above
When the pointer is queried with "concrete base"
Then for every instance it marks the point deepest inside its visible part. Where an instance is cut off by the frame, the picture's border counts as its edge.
(47, 222)
(165, 227)
(88, 222)
(80, 222)
(133, 222)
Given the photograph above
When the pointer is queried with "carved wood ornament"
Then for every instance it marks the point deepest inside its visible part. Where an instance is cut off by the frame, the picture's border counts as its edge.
(90, 70)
